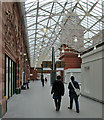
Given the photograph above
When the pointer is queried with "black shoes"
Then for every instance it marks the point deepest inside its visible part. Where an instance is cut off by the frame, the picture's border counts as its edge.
(69, 108)
(77, 111)
(57, 109)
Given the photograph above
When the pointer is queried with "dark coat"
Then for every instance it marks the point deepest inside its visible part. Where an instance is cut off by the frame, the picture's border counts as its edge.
(71, 89)
(58, 87)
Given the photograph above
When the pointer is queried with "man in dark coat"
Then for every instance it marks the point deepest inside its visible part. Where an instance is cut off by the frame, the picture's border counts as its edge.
(57, 91)
(72, 93)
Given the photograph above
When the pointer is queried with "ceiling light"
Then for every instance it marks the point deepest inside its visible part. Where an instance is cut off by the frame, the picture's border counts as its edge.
(75, 39)
(44, 30)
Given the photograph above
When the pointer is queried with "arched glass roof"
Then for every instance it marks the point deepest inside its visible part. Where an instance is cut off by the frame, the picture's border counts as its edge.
(56, 22)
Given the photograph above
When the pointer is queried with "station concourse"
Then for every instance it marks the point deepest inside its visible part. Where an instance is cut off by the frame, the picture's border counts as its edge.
(42, 39)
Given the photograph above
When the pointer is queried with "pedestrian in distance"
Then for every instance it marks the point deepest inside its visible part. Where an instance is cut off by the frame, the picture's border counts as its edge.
(58, 92)
(46, 80)
(72, 94)
(42, 80)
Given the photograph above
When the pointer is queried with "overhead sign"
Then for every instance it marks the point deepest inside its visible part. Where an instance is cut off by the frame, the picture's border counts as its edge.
(60, 64)
(46, 64)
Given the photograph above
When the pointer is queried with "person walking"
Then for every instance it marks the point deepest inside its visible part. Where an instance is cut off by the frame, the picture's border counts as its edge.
(72, 93)
(57, 91)
(42, 80)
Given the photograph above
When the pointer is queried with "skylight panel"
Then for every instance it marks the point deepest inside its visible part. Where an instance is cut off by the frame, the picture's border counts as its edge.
(80, 12)
(52, 35)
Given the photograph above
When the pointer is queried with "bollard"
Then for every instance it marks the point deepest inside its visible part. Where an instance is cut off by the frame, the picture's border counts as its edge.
(6, 103)
(18, 91)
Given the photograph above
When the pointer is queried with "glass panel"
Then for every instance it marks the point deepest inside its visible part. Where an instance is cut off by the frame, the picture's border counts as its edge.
(50, 16)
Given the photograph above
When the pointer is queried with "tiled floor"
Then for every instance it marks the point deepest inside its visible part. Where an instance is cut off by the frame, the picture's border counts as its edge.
(37, 102)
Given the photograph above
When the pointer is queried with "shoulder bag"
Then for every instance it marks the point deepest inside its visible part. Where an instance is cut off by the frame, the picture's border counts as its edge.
(77, 91)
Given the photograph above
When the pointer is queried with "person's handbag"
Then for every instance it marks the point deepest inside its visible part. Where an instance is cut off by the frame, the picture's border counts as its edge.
(55, 96)
(77, 91)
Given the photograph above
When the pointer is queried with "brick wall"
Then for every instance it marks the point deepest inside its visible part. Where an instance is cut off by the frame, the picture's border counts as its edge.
(13, 44)
(70, 57)
(0, 59)
(71, 61)
(34, 74)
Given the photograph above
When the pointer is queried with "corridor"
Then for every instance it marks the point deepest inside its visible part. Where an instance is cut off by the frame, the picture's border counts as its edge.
(42, 39)
(37, 102)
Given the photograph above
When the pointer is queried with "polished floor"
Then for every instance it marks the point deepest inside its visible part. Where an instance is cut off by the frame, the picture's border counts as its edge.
(37, 102)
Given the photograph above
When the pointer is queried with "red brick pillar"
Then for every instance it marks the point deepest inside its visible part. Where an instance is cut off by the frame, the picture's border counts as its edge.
(34, 74)
(70, 57)
(62, 75)
(17, 73)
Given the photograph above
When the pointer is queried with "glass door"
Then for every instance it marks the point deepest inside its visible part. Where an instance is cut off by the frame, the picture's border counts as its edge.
(6, 77)
(10, 77)
(10, 81)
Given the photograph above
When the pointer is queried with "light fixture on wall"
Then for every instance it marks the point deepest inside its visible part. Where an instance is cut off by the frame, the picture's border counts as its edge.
(21, 53)
(24, 54)
(55, 57)
(62, 50)
(79, 55)
(94, 47)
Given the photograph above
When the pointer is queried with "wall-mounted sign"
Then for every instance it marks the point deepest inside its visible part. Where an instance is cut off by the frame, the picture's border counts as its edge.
(60, 64)
(46, 64)
(38, 69)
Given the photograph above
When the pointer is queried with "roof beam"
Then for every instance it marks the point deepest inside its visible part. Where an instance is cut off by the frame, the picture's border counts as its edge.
(36, 30)
(88, 12)
(36, 7)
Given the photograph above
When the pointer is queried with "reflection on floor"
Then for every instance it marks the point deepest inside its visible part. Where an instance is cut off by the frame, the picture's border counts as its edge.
(37, 102)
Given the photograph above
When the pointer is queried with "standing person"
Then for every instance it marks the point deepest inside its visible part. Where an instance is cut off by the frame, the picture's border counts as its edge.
(72, 93)
(45, 79)
(42, 81)
(57, 91)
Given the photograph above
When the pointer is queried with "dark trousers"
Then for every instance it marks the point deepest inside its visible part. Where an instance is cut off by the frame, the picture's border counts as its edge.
(75, 97)
(58, 102)
(42, 83)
